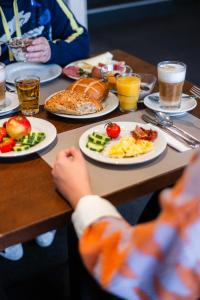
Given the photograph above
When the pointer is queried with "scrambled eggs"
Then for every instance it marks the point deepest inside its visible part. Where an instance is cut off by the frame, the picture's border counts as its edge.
(129, 147)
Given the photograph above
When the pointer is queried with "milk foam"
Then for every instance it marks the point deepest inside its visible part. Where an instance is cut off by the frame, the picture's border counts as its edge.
(171, 73)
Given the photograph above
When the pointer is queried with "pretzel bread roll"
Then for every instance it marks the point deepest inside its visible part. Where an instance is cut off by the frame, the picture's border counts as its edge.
(92, 88)
(73, 103)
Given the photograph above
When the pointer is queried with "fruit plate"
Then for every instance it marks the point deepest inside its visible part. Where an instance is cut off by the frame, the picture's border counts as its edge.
(159, 145)
(109, 104)
(37, 125)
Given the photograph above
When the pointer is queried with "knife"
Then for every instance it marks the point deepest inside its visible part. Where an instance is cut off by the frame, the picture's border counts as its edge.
(148, 119)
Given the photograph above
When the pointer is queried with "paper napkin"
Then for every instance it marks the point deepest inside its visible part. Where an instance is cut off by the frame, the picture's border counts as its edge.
(104, 58)
(174, 142)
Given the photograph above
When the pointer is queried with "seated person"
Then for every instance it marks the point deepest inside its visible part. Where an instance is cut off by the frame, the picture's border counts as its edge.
(57, 38)
(154, 260)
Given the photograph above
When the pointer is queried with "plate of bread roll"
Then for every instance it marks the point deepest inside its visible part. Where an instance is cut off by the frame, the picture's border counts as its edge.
(83, 99)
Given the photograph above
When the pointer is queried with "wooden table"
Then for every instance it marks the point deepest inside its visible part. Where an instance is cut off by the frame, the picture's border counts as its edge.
(29, 203)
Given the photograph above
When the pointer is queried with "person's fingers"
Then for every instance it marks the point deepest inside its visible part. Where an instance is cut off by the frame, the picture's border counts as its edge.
(62, 154)
(76, 153)
(39, 40)
(37, 48)
(36, 60)
(38, 54)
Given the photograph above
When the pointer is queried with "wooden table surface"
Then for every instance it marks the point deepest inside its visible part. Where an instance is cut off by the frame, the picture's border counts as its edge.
(29, 203)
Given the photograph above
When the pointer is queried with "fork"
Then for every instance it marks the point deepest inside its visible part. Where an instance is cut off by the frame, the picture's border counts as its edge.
(195, 91)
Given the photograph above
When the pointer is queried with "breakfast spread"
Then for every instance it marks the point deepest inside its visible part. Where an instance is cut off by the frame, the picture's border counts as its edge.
(84, 96)
(16, 135)
(138, 142)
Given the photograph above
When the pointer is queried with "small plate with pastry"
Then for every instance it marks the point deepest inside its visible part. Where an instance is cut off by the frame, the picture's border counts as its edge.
(85, 98)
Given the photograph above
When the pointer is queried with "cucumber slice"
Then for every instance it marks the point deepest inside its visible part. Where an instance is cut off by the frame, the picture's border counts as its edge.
(19, 148)
(33, 138)
(95, 140)
(101, 136)
(94, 147)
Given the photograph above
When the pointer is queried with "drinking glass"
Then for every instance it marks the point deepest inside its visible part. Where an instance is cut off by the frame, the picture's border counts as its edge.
(28, 90)
(128, 90)
(18, 47)
(2, 83)
(110, 71)
(171, 76)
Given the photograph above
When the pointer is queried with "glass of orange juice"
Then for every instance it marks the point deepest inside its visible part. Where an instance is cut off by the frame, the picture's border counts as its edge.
(128, 90)
(109, 73)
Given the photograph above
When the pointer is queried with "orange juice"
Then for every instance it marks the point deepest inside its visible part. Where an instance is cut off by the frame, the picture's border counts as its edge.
(128, 89)
(111, 81)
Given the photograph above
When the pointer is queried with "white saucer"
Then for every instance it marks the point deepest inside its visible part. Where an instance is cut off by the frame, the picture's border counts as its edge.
(186, 105)
(11, 103)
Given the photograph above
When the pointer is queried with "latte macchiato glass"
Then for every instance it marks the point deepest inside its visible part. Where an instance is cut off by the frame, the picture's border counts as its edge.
(2, 83)
(171, 76)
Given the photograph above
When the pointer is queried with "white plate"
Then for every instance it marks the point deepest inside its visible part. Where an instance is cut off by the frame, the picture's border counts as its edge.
(11, 102)
(45, 72)
(109, 104)
(38, 125)
(186, 105)
(73, 64)
(159, 145)
(76, 64)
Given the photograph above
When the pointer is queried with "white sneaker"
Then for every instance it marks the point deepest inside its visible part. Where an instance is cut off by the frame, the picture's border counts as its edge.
(45, 239)
(13, 252)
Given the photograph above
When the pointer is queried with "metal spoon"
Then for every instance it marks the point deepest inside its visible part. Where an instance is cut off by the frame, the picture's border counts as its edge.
(157, 98)
(168, 122)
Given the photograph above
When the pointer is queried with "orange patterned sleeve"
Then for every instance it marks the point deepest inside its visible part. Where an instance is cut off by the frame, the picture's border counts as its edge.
(155, 260)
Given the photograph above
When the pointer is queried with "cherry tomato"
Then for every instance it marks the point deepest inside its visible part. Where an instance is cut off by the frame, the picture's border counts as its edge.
(3, 132)
(7, 145)
(113, 130)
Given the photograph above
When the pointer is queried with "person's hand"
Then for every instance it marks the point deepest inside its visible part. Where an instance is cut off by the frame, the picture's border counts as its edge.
(71, 176)
(39, 51)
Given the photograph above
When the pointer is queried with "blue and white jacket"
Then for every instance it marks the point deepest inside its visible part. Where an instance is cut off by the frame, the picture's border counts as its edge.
(52, 19)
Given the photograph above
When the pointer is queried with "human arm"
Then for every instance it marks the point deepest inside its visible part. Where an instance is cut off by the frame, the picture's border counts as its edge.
(156, 260)
(69, 41)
